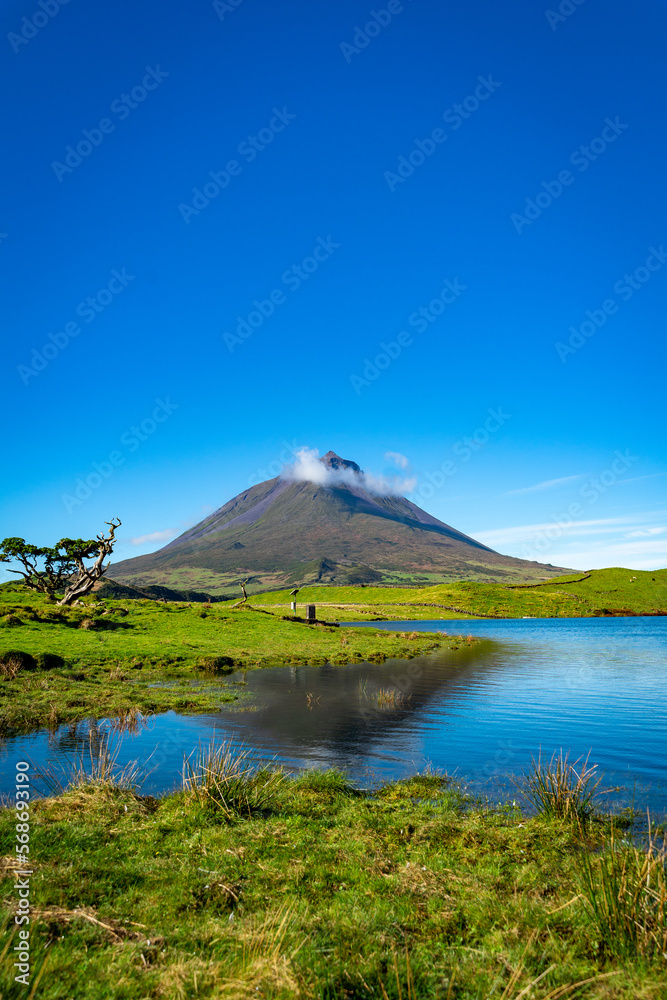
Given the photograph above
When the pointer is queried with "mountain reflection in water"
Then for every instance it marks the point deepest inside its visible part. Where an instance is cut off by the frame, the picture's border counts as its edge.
(478, 712)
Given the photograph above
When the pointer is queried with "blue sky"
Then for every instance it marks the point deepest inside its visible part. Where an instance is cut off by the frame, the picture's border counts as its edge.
(310, 225)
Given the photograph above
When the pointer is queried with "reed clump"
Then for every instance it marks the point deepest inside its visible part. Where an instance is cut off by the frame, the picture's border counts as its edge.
(96, 765)
(390, 698)
(228, 778)
(625, 891)
(562, 789)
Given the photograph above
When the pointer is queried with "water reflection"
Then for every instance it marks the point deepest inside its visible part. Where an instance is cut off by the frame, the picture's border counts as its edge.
(479, 712)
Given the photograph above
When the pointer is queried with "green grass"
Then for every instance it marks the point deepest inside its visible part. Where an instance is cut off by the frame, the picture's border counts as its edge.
(117, 656)
(303, 887)
(602, 592)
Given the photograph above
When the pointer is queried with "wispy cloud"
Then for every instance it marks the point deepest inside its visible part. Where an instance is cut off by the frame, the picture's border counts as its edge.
(399, 460)
(308, 468)
(155, 536)
(637, 541)
(638, 479)
(546, 485)
(527, 532)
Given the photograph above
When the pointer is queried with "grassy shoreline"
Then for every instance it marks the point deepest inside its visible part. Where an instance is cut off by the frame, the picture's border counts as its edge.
(254, 883)
(107, 658)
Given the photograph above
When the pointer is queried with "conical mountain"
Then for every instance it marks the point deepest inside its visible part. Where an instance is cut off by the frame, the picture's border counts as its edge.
(287, 532)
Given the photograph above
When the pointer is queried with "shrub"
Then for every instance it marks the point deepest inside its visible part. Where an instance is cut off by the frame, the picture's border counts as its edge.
(49, 661)
(14, 660)
(216, 664)
(10, 668)
(11, 620)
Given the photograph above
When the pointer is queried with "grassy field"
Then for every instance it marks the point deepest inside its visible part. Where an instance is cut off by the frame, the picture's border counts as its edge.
(109, 658)
(251, 883)
(602, 592)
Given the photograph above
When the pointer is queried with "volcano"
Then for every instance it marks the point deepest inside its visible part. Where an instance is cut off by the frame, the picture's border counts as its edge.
(291, 532)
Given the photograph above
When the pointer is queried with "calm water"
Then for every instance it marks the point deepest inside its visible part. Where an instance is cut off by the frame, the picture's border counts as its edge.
(479, 712)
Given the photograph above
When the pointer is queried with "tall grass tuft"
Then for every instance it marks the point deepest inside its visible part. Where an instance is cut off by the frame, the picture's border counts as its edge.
(95, 766)
(625, 889)
(228, 778)
(263, 964)
(390, 698)
(562, 789)
(10, 667)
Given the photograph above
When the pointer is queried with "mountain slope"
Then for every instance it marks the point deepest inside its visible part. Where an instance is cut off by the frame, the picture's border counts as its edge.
(292, 532)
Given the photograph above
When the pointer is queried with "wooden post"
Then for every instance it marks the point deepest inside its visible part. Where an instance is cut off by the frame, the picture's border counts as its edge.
(310, 613)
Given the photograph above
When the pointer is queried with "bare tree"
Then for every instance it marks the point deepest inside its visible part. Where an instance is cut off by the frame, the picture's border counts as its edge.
(242, 584)
(51, 571)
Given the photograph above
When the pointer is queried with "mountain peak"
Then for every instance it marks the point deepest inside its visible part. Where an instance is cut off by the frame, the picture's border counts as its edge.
(334, 461)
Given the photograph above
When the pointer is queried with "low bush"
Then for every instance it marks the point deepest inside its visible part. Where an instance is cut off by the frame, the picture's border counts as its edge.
(49, 661)
(216, 664)
(14, 660)
(11, 620)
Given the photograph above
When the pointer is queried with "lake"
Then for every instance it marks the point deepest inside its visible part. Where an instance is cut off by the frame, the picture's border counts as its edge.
(478, 713)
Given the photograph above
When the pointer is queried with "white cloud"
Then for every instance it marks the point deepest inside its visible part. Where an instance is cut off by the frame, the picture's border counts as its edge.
(633, 555)
(399, 460)
(546, 485)
(527, 532)
(635, 541)
(309, 468)
(155, 536)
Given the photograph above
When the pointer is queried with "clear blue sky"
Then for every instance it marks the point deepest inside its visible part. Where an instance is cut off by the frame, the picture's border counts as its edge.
(539, 198)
